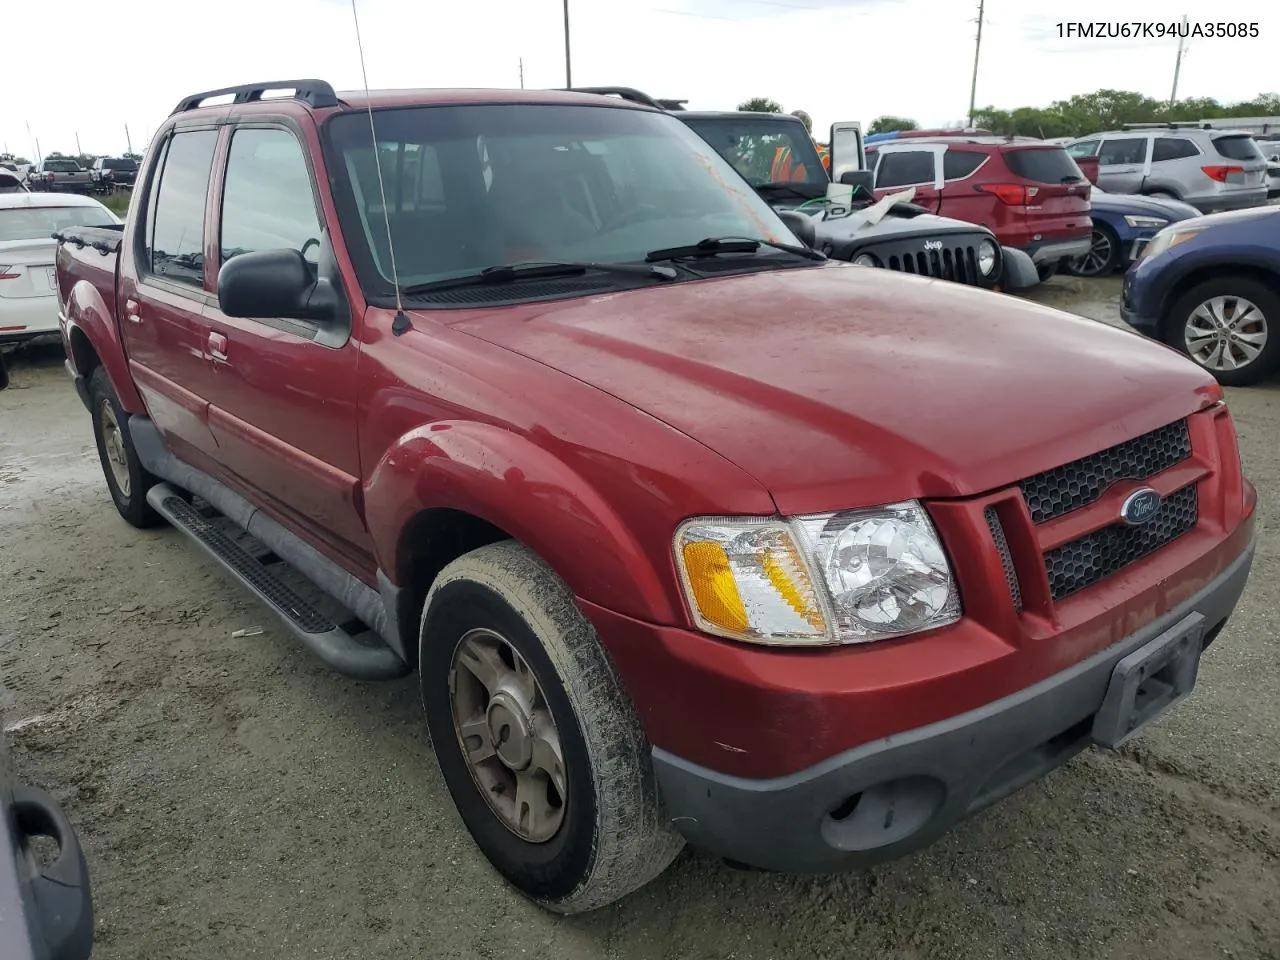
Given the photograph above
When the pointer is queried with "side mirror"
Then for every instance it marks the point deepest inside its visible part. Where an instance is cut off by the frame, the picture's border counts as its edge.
(270, 283)
(862, 181)
(801, 225)
(1089, 167)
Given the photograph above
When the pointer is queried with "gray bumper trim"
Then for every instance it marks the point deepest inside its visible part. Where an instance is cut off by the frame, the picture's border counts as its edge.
(1053, 252)
(916, 785)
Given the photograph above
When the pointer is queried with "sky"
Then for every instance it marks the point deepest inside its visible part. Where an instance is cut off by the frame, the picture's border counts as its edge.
(837, 59)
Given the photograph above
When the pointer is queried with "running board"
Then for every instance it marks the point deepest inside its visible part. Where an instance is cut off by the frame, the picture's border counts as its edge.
(347, 653)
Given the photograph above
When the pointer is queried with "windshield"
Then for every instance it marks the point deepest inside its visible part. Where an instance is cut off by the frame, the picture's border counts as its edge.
(1043, 164)
(765, 151)
(473, 186)
(37, 223)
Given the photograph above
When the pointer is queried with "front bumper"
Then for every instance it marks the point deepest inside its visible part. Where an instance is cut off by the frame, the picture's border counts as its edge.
(887, 798)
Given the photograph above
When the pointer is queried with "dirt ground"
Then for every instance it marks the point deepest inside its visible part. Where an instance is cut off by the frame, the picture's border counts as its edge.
(237, 799)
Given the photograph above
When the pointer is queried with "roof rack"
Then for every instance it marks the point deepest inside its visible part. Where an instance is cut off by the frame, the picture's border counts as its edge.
(1165, 125)
(317, 93)
(631, 94)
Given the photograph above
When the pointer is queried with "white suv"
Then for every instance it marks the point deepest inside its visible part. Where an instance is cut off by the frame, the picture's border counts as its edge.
(1210, 169)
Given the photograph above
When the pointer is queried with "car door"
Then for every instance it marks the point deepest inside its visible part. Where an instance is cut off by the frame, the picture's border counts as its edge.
(283, 395)
(163, 294)
(1123, 163)
(899, 168)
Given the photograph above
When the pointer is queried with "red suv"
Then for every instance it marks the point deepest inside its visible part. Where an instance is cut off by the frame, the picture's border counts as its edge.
(1029, 193)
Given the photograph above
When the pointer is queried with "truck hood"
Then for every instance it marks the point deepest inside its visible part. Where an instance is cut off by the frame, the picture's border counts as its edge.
(836, 386)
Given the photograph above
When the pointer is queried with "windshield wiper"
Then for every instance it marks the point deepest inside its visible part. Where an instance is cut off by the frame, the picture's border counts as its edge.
(511, 272)
(712, 246)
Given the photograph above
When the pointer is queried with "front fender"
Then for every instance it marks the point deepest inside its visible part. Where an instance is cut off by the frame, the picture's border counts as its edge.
(1019, 271)
(509, 481)
(87, 320)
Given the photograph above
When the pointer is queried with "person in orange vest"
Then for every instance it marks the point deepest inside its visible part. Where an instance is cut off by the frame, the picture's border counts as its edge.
(785, 167)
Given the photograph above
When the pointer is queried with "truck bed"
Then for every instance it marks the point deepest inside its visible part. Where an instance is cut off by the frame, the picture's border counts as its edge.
(89, 255)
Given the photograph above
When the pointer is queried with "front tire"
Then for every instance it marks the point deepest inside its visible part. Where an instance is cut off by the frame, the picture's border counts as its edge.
(127, 480)
(1230, 326)
(535, 736)
(1103, 256)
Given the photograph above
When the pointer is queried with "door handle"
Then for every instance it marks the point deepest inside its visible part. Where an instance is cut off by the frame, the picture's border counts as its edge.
(132, 311)
(217, 346)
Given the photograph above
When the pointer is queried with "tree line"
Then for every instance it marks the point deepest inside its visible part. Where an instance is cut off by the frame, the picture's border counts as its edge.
(1082, 114)
(1101, 110)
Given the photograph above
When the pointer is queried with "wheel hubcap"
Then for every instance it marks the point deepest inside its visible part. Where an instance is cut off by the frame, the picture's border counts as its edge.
(507, 735)
(1226, 333)
(113, 443)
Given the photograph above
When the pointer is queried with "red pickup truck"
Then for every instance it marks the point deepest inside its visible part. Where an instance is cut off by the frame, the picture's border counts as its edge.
(690, 533)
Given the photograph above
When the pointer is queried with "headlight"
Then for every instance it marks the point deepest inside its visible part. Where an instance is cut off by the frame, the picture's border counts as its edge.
(987, 257)
(1167, 239)
(1146, 222)
(866, 260)
(831, 578)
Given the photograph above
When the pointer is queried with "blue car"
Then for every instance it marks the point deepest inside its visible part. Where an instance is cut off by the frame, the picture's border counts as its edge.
(1210, 287)
(1123, 223)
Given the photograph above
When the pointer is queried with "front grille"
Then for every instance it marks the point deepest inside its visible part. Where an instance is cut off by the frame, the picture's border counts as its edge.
(1077, 484)
(955, 259)
(950, 263)
(1082, 563)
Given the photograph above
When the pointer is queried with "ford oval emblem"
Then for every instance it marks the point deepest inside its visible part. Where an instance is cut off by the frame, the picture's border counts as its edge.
(1140, 507)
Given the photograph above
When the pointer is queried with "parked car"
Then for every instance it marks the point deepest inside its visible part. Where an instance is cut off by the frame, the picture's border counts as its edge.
(1211, 288)
(60, 176)
(46, 909)
(691, 532)
(1212, 170)
(1123, 224)
(11, 182)
(1029, 193)
(111, 173)
(775, 154)
(28, 286)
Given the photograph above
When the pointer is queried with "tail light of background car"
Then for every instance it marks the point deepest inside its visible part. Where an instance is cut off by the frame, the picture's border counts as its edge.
(6, 272)
(1224, 173)
(1013, 194)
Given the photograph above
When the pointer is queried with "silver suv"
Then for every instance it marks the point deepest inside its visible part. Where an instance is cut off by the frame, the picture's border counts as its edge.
(1210, 169)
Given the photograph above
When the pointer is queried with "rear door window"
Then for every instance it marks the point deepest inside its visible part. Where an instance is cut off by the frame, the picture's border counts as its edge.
(1239, 147)
(958, 164)
(1086, 148)
(903, 169)
(1122, 151)
(1043, 165)
(1172, 148)
(175, 242)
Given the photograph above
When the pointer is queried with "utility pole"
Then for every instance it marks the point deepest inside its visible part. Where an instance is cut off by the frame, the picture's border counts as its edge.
(79, 152)
(568, 68)
(127, 140)
(977, 49)
(522, 73)
(1177, 67)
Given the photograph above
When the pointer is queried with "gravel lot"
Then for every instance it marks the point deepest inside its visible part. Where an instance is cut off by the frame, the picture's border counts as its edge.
(239, 800)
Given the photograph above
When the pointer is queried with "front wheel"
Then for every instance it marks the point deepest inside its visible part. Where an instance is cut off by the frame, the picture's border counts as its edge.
(537, 741)
(127, 480)
(1225, 325)
(1103, 256)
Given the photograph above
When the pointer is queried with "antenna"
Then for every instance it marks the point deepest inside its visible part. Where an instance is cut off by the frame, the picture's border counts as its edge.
(401, 322)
